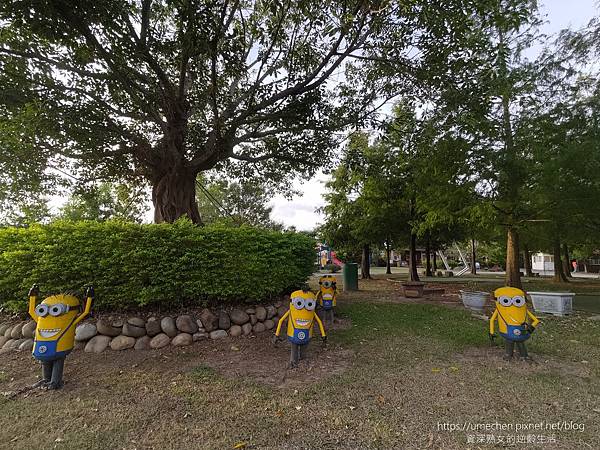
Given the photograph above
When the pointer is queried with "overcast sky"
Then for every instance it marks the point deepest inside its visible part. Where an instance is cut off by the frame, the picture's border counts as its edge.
(300, 211)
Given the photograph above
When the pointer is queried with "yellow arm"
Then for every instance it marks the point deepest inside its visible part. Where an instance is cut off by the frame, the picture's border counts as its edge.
(32, 300)
(534, 320)
(321, 329)
(285, 316)
(86, 311)
(33, 295)
(493, 320)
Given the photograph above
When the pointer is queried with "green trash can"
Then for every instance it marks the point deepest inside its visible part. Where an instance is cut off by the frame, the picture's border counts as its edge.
(350, 276)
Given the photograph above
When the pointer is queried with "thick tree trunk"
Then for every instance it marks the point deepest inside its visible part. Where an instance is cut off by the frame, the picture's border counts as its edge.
(435, 260)
(388, 266)
(513, 274)
(567, 261)
(559, 274)
(473, 257)
(174, 196)
(428, 272)
(413, 275)
(365, 266)
(527, 260)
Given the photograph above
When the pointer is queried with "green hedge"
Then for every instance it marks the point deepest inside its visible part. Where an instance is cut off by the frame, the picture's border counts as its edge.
(134, 265)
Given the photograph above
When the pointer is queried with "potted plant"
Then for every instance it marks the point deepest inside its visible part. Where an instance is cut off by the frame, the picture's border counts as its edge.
(473, 297)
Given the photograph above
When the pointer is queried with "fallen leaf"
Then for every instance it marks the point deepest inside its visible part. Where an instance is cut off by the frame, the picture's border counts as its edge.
(240, 445)
(298, 408)
(434, 370)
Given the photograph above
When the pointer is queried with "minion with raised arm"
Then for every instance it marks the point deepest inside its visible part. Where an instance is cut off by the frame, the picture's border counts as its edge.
(301, 317)
(57, 317)
(515, 321)
(327, 296)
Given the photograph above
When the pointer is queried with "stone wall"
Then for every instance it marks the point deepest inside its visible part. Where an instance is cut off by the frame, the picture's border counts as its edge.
(116, 333)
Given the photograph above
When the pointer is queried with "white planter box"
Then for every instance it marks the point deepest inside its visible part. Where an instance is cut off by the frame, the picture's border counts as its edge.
(474, 300)
(557, 303)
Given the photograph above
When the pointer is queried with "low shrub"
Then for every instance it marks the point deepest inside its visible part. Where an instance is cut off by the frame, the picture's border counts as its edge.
(134, 265)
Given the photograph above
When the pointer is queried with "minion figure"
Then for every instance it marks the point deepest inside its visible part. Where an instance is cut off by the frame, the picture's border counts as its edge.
(301, 316)
(327, 296)
(515, 321)
(57, 317)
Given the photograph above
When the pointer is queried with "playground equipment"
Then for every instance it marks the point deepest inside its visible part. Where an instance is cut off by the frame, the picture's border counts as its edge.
(56, 318)
(301, 316)
(327, 296)
(513, 317)
(465, 269)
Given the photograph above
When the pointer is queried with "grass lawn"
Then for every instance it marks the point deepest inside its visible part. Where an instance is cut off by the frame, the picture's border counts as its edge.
(393, 375)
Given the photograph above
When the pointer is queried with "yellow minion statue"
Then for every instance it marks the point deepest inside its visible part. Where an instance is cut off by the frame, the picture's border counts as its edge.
(301, 316)
(57, 317)
(327, 296)
(515, 321)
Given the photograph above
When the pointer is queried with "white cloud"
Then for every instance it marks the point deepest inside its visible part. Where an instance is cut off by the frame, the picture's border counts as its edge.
(300, 211)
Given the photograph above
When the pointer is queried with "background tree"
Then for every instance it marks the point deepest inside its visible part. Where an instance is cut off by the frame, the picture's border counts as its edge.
(236, 202)
(105, 201)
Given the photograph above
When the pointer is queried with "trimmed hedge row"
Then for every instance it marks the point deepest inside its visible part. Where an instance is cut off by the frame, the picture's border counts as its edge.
(134, 265)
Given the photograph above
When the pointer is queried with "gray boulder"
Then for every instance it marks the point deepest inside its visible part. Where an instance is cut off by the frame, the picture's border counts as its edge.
(97, 344)
(3, 340)
(247, 328)
(3, 328)
(16, 331)
(122, 343)
(282, 310)
(137, 322)
(26, 345)
(218, 334)
(142, 343)
(134, 329)
(261, 313)
(85, 331)
(199, 336)
(167, 324)
(159, 341)
(209, 320)
(10, 343)
(182, 339)
(239, 317)
(186, 324)
(109, 328)
(8, 331)
(153, 327)
(235, 331)
(28, 330)
(271, 311)
(224, 321)
(269, 324)
(259, 327)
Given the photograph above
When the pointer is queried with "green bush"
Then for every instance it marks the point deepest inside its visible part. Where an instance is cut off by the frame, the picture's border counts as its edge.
(135, 265)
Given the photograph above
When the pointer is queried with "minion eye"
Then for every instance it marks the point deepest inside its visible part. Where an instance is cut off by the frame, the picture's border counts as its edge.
(298, 302)
(310, 304)
(505, 300)
(518, 300)
(327, 284)
(41, 310)
(57, 310)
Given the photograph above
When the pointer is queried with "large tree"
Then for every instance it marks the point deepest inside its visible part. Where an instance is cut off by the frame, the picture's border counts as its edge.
(165, 89)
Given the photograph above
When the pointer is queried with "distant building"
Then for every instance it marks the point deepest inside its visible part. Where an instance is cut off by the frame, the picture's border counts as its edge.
(542, 262)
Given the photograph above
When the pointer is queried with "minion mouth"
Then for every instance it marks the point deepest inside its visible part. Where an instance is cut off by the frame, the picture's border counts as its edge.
(302, 322)
(48, 333)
